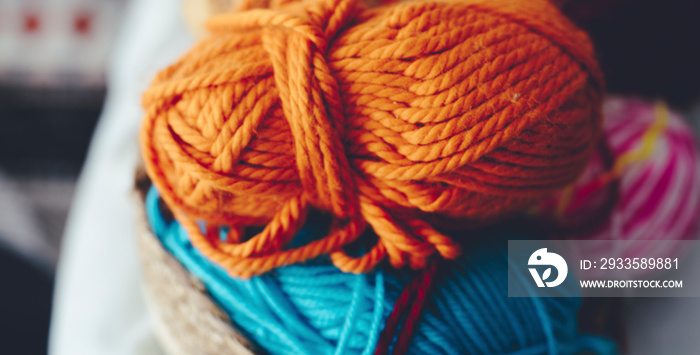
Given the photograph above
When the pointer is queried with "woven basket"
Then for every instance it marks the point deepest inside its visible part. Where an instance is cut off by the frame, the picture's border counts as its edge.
(185, 318)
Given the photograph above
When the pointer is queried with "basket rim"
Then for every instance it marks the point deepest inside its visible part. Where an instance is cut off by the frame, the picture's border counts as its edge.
(177, 299)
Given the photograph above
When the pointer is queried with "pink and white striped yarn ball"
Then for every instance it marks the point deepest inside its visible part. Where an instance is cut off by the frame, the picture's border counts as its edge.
(648, 189)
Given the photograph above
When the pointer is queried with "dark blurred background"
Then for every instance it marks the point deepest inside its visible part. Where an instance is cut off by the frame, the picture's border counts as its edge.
(53, 58)
(645, 47)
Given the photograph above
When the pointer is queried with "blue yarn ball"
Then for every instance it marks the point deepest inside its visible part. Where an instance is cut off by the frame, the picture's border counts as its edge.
(469, 312)
(314, 308)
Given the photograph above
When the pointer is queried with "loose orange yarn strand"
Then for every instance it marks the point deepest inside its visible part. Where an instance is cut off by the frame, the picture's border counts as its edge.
(435, 111)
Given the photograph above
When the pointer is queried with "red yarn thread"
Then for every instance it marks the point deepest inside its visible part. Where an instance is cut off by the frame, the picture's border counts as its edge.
(412, 300)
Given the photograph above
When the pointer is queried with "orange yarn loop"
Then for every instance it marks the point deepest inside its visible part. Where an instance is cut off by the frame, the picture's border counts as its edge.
(399, 117)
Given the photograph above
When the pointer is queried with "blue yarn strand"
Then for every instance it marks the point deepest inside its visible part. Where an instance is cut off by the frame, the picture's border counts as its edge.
(351, 319)
(379, 307)
(313, 308)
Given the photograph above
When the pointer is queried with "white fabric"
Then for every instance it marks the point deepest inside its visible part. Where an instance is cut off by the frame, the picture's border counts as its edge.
(98, 305)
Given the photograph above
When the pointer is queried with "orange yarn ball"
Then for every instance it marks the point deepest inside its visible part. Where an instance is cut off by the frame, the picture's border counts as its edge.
(399, 117)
